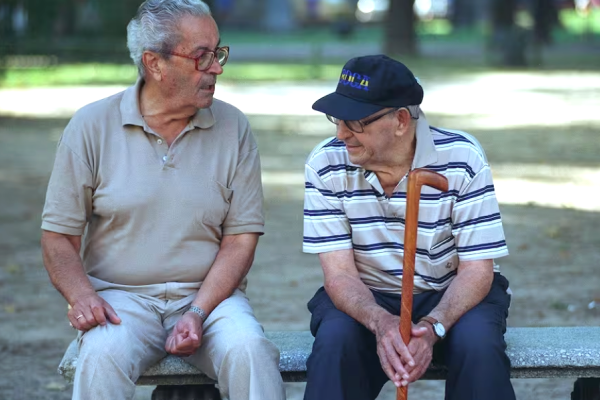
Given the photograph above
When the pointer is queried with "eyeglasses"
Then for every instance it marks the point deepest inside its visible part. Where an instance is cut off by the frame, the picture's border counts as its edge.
(358, 126)
(206, 59)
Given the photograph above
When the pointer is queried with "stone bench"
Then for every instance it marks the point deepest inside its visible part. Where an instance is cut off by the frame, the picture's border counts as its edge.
(534, 353)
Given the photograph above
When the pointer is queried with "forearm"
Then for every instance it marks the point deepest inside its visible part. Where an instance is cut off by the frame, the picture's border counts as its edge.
(63, 263)
(469, 288)
(231, 265)
(353, 297)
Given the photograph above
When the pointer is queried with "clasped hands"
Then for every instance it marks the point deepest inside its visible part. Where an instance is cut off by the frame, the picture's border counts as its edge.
(404, 364)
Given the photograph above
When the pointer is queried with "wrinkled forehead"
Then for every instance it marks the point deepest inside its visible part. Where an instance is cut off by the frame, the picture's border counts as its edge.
(198, 33)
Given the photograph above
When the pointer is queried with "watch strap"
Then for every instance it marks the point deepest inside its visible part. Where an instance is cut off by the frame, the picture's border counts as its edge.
(429, 319)
(435, 324)
(199, 311)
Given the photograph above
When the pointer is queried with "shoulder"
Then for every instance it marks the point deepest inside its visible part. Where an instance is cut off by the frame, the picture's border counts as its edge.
(225, 110)
(330, 151)
(457, 146)
(330, 162)
(231, 123)
(89, 119)
(100, 110)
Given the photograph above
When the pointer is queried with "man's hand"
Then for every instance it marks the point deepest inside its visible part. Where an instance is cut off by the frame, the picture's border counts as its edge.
(394, 356)
(91, 310)
(186, 336)
(421, 347)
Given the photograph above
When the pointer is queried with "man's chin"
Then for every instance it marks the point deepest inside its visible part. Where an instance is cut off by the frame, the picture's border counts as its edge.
(356, 160)
(205, 102)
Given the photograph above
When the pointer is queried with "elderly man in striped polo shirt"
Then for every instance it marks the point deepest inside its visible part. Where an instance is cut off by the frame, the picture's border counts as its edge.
(354, 212)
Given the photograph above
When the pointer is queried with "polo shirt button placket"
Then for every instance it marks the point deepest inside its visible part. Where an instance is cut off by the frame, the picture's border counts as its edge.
(159, 141)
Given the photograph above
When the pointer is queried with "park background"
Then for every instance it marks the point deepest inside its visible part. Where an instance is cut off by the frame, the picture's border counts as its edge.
(523, 76)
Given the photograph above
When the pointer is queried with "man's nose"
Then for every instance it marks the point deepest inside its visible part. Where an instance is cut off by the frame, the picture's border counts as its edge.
(342, 131)
(215, 67)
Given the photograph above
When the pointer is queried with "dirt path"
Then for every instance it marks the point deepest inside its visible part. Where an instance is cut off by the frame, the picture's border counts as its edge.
(546, 175)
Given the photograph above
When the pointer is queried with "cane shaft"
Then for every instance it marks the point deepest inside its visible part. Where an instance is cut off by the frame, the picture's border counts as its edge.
(416, 179)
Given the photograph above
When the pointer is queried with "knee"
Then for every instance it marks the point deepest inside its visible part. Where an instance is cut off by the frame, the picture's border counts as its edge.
(341, 337)
(103, 346)
(251, 350)
(481, 345)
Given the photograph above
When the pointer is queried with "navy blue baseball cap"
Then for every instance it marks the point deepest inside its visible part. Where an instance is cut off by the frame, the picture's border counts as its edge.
(369, 84)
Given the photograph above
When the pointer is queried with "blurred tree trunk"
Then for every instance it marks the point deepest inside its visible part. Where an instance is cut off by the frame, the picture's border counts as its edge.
(278, 16)
(464, 14)
(545, 17)
(508, 40)
(400, 33)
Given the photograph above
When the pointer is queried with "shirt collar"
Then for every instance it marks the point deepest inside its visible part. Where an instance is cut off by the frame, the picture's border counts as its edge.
(131, 115)
(130, 105)
(425, 152)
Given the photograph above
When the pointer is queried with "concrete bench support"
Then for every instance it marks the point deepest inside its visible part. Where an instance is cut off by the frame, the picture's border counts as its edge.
(534, 353)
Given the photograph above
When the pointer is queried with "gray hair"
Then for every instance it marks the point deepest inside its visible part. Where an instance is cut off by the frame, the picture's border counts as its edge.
(414, 111)
(154, 26)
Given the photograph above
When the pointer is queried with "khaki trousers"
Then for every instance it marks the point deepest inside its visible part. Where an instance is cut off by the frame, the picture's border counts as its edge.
(233, 351)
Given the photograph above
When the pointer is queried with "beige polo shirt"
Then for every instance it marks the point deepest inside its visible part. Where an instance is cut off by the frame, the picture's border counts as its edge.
(345, 207)
(153, 213)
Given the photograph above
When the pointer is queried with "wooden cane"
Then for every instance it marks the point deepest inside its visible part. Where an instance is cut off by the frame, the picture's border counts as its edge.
(416, 179)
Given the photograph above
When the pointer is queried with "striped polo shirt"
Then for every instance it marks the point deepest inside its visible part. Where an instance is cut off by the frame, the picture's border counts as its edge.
(345, 207)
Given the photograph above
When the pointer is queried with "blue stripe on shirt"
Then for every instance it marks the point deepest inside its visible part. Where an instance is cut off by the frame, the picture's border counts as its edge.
(476, 193)
(429, 279)
(424, 225)
(429, 196)
(337, 167)
(315, 213)
(335, 143)
(475, 221)
(399, 246)
(325, 239)
(483, 246)
(452, 165)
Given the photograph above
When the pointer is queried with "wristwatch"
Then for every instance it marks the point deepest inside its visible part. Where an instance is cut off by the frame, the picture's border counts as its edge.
(199, 311)
(438, 328)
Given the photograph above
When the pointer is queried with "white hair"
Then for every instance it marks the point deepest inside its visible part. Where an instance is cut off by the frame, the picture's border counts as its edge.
(154, 26)
(414, 111)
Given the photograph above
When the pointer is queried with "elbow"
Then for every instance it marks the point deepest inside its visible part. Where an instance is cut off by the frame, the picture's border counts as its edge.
(333, 285)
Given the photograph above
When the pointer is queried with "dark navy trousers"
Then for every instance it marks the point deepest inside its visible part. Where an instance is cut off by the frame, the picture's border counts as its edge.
(344, 364)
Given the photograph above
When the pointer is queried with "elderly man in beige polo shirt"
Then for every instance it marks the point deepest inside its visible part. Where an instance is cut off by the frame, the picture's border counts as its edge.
(166, 180)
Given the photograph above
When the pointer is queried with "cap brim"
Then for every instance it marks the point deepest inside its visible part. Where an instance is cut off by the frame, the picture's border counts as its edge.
(345, 108)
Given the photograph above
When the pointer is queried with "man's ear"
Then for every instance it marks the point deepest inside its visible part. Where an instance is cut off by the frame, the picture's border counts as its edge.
(153, 64)
(404, 119)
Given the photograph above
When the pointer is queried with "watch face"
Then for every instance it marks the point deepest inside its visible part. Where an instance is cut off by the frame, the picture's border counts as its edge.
(439, 330)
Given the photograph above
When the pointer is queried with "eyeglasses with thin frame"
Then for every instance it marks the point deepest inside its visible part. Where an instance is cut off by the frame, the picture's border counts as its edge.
(358, 126)
(206, 59)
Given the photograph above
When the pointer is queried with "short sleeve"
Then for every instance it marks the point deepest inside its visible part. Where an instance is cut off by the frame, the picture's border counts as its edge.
(245, 213)
(326, 226)
(68, 204)
(476, 220)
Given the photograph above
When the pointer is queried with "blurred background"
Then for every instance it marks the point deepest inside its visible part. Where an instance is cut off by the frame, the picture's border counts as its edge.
(523, 76)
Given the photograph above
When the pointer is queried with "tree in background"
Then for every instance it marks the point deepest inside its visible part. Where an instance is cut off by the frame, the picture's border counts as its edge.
(508, 41)
(278, 16)
(464, 14)
(545, 18)
(400, 32)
